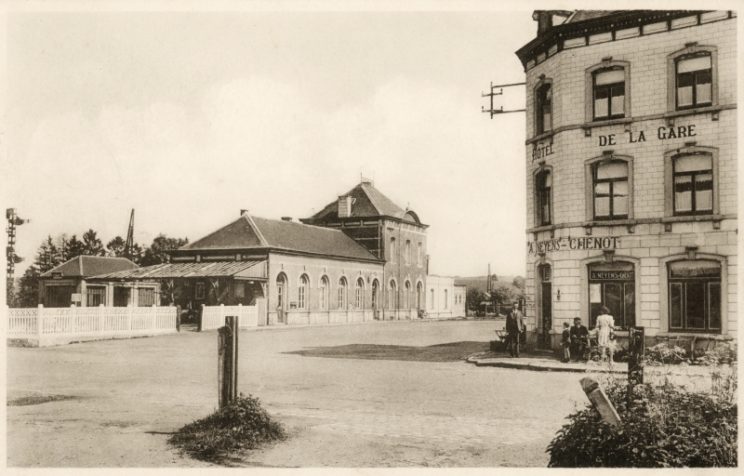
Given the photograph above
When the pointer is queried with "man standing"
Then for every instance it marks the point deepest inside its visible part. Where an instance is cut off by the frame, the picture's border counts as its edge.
(579, 339)
(514, 327)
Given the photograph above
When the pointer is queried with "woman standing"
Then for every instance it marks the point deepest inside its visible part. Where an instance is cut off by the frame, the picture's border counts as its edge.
(605, 328)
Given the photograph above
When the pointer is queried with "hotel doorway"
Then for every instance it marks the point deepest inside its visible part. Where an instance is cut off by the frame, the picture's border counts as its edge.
(612, 285)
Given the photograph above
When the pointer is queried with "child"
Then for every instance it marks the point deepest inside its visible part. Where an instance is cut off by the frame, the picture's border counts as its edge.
(566, 342)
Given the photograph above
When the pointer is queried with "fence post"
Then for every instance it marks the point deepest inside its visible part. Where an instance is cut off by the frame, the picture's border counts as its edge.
(227, 361)
(130, 317)
(178, 318)
(600, 401)
(637, 348)
(39, 322)
(101, 319)
(201, 318)
(240, 310)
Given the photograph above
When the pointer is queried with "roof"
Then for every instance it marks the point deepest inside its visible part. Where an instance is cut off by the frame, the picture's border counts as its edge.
(255, 269)
(368, 202)
(84, 266)
(581, 15)
(255, 233)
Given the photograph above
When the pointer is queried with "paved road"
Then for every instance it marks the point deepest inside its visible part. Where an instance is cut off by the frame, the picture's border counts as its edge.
(130, 394)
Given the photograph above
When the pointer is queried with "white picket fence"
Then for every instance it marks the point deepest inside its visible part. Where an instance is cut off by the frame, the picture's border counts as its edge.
(213, 317)
(61, 325)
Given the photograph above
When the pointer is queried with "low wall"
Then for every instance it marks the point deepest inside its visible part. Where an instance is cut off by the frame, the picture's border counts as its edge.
(213, 317)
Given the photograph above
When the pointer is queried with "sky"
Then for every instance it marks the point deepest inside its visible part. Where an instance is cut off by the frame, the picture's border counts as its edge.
(188, 117)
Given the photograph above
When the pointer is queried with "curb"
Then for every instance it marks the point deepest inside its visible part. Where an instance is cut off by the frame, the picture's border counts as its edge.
(538, 367)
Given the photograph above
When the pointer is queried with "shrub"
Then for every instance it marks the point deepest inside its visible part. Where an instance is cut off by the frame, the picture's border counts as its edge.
(661, 427)
(242, 424)
(663, 353)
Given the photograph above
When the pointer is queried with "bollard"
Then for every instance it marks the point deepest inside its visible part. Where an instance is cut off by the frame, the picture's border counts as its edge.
(600, 401)
(636, 354)
(227, 361)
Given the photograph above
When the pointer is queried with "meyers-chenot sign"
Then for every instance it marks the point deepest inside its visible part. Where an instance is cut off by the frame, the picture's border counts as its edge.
(568, 243)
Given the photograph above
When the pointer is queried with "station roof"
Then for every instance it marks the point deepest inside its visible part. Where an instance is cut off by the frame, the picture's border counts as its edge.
(84, 266)
(254, 269)
(255, 233)
(368, 202)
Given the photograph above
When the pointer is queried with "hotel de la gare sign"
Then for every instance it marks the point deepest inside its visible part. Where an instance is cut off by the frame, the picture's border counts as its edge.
(543, 150)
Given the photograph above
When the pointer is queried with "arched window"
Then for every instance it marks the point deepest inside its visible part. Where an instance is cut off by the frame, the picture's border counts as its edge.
(543, 195)
(359, 294)
(391, 250)
(302, 301)
(325, 290)
(694, 80)
(446, 299)
(432, 302)
(375, 294)
(342, 289)
(610, 184)
(408, 252)
(419, 295)
(281, 291)
(407, 296)
(392, 295)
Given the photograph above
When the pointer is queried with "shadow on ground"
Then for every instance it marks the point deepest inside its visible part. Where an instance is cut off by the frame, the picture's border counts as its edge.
(449, 352)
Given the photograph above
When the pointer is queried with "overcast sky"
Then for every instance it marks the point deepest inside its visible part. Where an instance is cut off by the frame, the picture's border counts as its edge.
(189, 117)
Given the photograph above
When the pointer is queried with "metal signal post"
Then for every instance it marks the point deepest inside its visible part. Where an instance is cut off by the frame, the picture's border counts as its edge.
(13, 221)
(491, 110)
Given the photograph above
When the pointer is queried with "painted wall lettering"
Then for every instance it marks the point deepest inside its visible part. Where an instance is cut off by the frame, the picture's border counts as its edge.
(542, 151)
(607, 140)
(634, 137)
(568, 243)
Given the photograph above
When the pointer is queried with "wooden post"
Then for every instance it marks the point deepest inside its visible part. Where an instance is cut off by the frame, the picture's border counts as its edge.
(227, 361)
(39, 322)
(600, 401)
(200, 317)
(636, 354)
(178, 318)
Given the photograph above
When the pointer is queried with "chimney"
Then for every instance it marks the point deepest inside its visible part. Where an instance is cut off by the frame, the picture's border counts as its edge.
(544, 19)
(344, 206)
(286, 218)
(243, 211)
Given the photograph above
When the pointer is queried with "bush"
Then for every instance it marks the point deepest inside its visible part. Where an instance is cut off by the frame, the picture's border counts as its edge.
(663, 353)
(242, 424)
(660, 428)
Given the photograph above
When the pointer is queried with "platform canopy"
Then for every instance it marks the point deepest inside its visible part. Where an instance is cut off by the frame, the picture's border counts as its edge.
(255, 269)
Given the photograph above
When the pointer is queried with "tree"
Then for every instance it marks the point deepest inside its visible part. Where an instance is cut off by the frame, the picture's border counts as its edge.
(115, 247)
(473, 298)
(72, 247)
(28, 293)
(158, 251)
(92, 245)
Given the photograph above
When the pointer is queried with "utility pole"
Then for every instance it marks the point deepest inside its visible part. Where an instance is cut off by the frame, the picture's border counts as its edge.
(12, 259)
(491, 109)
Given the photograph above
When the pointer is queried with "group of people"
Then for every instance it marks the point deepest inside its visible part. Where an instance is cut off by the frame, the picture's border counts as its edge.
(575, 339)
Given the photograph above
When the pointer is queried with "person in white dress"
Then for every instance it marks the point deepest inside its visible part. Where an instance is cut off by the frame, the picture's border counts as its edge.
(605, 327)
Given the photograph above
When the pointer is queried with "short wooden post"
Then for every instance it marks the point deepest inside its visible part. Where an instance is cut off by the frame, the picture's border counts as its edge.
(201, 316)
(636, 354)
(600, 401)
(39, 322)
(178, 318)
(227, 361)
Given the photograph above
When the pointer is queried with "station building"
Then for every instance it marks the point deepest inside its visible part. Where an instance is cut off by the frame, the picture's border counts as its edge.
(632, 172)
(360, 258)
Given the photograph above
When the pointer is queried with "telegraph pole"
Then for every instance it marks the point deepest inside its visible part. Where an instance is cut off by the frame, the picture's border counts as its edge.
(13, 221)
(130, 237)
(491, 109)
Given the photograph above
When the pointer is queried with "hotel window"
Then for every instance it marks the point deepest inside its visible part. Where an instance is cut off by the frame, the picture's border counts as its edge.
(610, 186)
(342, 285)
(609, 93)
(391, 256)
(420, 256)
(695, 296)
(408, 252)
(446, 299)
(692, 76)
(543, 191)
(359, 294)
(694, 81)
(302, 293)
(544, 108)
(693, 184)
(324, 297)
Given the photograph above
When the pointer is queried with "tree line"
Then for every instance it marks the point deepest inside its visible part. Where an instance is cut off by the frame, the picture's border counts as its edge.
(54, 251)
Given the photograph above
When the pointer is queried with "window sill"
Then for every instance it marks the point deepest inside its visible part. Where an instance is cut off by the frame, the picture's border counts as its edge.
(607, 122)
(619, 222)
(693, 110)
(539, 137)
(689, 218)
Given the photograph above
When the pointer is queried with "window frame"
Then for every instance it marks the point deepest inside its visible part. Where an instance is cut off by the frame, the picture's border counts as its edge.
(669, 199)
(673, 59)
(359, 294)
(589, 174)
(539, 119)
(706, 282)
(539, 217)
(589, 81)
(342, 296)
(303, 284)
(693, 183)
(324, 298)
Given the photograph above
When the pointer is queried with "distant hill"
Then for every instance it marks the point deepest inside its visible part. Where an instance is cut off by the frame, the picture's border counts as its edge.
(479, 282)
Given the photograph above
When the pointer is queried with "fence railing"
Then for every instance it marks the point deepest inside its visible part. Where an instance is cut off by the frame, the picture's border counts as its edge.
(213, 317)
(59, 325)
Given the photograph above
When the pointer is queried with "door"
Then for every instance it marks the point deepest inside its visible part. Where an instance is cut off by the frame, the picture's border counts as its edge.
(612, 286)
(546, 307)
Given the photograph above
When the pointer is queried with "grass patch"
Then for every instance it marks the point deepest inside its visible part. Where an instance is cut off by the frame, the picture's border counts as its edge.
(449, 352)
(241, 425)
